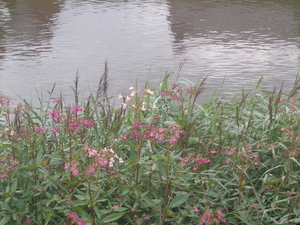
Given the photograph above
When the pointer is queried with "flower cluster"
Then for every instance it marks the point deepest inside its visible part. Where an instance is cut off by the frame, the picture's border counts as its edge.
(73, 218)
(4, 100)
(200, 161)
(6, 165)
(176, 92)
(154, 133)
(101, 158)
(212, 217)
(128, 99)
(246, 152)
(26, 219)
(56, 115)
(75, 124)
(73, 166)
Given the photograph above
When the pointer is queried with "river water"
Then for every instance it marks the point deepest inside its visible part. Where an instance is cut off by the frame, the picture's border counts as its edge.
(46, 41)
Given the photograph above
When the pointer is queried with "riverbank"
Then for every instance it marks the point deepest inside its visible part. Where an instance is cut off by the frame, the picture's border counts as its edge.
(153, 156)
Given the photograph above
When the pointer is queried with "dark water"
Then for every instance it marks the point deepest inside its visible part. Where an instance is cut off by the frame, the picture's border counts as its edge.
(43, 41)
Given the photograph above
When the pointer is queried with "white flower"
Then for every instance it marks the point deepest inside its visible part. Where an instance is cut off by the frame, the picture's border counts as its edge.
(132, 88)
(124, 105)
(133, 93)
(148, 91)
(128, 98)
(120, 96)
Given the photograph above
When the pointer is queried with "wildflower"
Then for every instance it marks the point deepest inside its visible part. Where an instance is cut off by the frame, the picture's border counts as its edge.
(281, 99)
(172, 141)
(76, 109)
(255, 206)
(214, 151)
(75, 172)
(68, 202)
(148, 91)
(116, 206)
(81, 222)
(132, 88)
(231, 151)
(2, 175)
(268, 187)
(73, 217)
(147, 218)
(184, 160)
(27, 220)
(196, 209)
(54, 130)
(293, 100)
(133, 93)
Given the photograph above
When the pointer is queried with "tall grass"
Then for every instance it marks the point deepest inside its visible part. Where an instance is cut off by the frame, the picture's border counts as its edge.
(155, 156)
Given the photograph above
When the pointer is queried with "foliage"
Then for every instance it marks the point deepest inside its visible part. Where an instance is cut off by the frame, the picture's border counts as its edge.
(158, 158)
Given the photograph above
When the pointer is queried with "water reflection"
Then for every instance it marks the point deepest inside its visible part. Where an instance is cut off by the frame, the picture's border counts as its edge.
(26, 30)
(43, 41)
(242, 40)
(224, 21)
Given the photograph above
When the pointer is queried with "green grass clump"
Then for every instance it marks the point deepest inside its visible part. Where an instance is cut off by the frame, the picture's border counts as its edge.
(155, 157)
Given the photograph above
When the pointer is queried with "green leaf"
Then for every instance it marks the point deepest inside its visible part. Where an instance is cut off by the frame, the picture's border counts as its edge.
(78, 202)
(97, 193)
(149, 202)
(177, 201)
(14, 186)
(113, 217)
(162, 169)
(4, 220)
(82, 213)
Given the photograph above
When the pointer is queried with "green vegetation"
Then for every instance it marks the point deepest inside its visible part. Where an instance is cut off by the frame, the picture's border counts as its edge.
(153, 157)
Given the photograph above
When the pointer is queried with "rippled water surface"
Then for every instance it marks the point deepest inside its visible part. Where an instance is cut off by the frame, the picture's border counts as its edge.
(44, 41)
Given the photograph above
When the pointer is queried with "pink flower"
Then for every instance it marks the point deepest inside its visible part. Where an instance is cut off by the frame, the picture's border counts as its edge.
(81, 222)
(147, 218)
(255, 206)
(75, 172)
(196, 209)
(54, 130)
(27, 220)
(2, 175)
(56, 100)
(184, 160)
